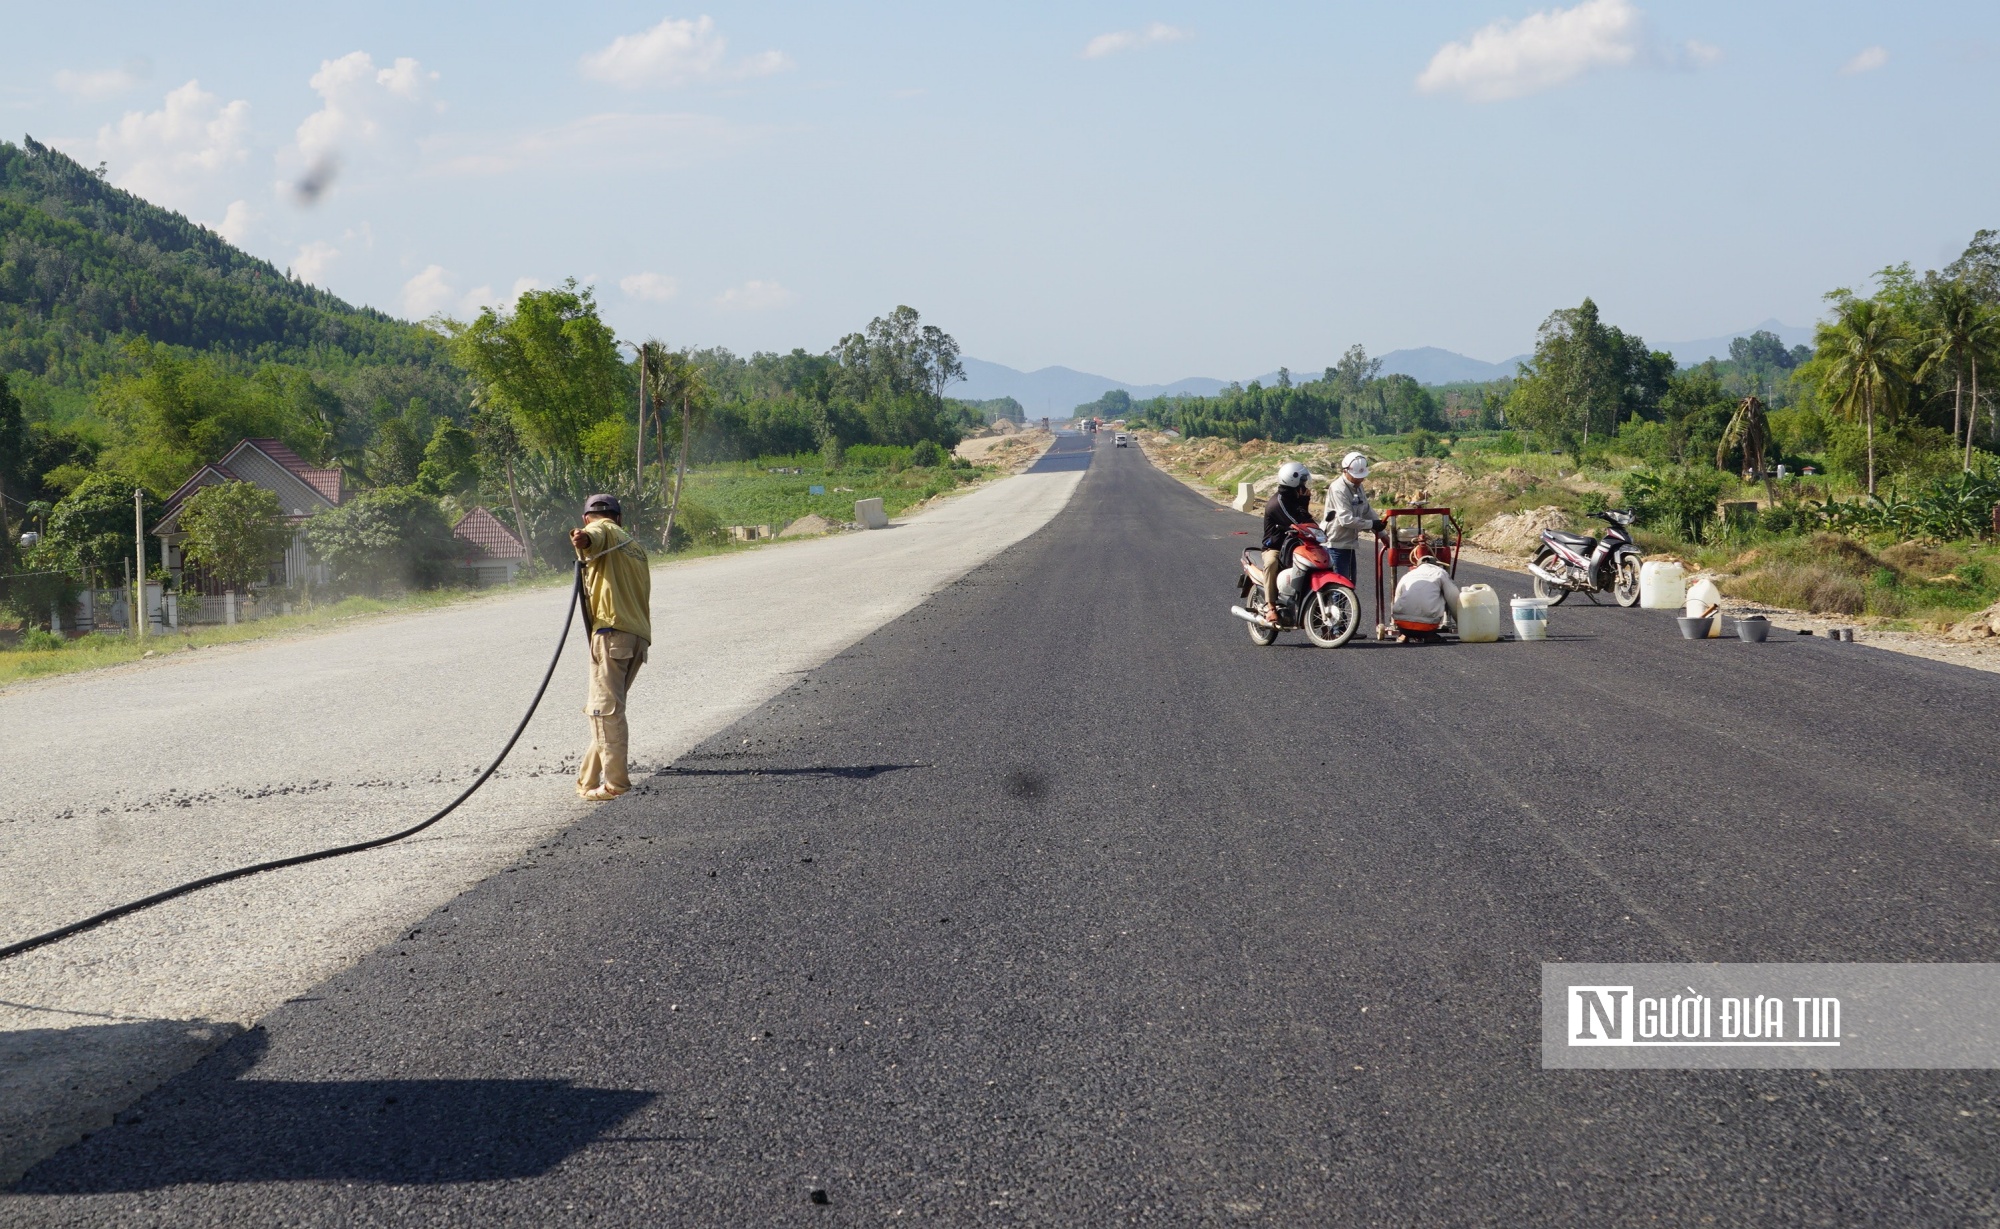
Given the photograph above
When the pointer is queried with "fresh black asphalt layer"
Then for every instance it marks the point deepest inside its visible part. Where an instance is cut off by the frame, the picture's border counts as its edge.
(1059, 902)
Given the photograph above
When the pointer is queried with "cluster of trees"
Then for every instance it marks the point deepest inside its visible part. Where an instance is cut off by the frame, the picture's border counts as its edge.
(1902, 362)
(136, 345)
(1892, 383)
(1587, 377)
(1897, 382)
(883, 385)
(1350, 398)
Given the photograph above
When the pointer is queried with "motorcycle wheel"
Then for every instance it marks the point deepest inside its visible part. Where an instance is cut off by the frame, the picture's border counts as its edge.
(1260, 635)
(1626, 587)
(1543, 589)
(1331, 616)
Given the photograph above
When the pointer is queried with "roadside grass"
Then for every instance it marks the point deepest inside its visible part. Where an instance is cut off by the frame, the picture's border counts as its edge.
(1920, 584)
(742, 493)
(37, 654)
(747, 493)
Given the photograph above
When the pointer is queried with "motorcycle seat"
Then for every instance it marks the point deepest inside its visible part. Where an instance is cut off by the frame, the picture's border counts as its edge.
(1575, 541)
(1253, 556)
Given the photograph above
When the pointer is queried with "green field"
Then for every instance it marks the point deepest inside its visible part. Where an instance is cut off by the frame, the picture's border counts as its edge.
(748, 493)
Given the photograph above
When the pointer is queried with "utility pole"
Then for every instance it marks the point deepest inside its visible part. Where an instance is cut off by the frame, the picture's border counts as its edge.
(136, 599)
(639, 449)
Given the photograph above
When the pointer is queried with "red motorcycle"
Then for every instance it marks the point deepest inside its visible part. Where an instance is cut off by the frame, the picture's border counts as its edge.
(1312, 597)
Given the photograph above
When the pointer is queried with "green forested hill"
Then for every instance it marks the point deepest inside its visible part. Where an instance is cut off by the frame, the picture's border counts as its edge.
(84, 265)
(141, 343)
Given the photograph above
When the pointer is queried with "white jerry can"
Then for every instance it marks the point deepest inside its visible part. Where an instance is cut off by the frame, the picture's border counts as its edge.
(1662, 585)
(1478, 615)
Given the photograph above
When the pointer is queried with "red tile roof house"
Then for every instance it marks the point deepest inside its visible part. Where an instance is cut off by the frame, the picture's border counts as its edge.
(489, 553)
(302, 490)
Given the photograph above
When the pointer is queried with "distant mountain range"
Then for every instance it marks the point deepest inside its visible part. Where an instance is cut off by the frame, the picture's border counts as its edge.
(1055, 391)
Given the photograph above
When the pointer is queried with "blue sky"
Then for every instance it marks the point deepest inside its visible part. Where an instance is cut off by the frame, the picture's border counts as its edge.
(1149, 191)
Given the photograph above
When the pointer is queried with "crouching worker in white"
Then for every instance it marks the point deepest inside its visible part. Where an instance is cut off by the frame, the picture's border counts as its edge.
(1424, 597)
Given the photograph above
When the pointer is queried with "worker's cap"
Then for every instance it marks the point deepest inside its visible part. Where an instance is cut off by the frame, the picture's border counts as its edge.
(603, 505)
(1356, 464)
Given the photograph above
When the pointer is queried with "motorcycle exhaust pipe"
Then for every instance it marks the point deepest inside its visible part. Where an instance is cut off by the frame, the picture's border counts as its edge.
(1550, 577)
(1247, 617)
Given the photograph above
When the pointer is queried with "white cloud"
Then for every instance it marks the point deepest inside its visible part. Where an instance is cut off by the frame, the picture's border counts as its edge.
(99, 82)
(654, 287)
(357, 100)
(754, 296)
(363, 109)
(1511, 59)
(235, 224)
(479, 298)
(1125, 40)
(427, 293)
(1700, 54)
(165, 154)
(1869, 59)
(676, 52)
(314, 259)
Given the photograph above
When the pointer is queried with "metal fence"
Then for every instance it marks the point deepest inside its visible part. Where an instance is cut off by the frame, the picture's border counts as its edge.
(74, 605)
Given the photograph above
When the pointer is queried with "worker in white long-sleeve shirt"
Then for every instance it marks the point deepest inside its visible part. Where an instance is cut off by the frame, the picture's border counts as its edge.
(1424, 596)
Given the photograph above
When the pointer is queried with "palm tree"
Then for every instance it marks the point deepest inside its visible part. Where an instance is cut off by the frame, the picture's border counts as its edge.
(1866, 373)
(1748, 430)
(1956, 328)
(1983, 337)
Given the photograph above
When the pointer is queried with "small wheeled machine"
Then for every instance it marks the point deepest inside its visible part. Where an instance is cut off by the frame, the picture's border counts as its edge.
(1400, 530)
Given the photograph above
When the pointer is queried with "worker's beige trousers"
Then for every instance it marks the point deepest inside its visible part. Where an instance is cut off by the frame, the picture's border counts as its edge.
(1274, 563)
(615, 658)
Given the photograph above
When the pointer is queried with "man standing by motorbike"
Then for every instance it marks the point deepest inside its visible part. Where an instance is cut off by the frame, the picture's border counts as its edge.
(1289, 505)
(1347, 514)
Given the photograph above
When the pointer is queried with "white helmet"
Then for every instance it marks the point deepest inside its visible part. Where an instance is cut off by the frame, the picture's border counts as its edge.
(1355, 464)
(1293, 473)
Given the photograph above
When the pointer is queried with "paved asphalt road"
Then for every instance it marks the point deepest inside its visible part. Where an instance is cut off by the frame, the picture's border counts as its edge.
(203, 761)
(1058, 902)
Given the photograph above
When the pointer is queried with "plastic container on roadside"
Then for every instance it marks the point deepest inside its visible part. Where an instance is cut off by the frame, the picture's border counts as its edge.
(1704, 600)
(1478, 614)
(1662, 585)
(1531, 618)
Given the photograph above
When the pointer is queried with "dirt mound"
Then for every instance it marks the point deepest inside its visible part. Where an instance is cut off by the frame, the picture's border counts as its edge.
(806, 526)
(1013, 452)
(1846, 554)
(1982, 626)
(1925, 560)
(1417, 479)
(1519, 533)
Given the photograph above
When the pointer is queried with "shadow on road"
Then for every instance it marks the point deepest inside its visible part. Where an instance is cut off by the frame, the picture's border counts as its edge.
(850, 772)
(211, 1126)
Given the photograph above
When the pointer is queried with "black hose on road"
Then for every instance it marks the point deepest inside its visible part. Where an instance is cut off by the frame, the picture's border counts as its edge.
(576, 599)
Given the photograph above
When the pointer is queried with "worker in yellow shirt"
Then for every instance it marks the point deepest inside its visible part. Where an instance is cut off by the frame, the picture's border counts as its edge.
(618, 586)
